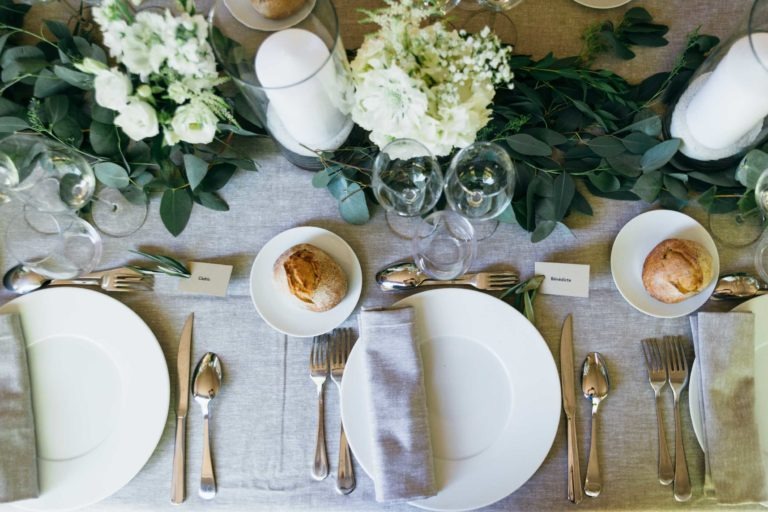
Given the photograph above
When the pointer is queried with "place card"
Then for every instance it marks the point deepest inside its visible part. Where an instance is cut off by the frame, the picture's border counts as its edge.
(564, 279)
(207, 279)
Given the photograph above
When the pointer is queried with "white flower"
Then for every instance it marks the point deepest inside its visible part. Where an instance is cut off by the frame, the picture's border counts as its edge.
(194, 123)
(112, 89)
(138, 120)
(389, 101)
(91, 66)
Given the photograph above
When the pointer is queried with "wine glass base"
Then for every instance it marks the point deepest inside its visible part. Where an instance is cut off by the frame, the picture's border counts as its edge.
(115, 216)
(498, 21)
(403, 227)
(485, 229)
(735, 230)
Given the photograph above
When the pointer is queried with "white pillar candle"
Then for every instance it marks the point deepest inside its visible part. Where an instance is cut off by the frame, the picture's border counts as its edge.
(304, 91)
(734, 100)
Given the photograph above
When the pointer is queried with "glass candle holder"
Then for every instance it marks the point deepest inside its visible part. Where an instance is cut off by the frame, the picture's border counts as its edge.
(292, 72)
(722, 112)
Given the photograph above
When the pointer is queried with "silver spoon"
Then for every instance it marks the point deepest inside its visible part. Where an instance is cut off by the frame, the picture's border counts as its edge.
(737, 286)
(206, 383)
(401, 276)
(595, 385)
(20, 279)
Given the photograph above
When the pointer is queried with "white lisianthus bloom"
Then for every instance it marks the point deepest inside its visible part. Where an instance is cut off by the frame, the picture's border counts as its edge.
(138, 120)
(112, 89)
(194, 123)
(178, 92)
(388, 101)
(91, 66)
(170, 138)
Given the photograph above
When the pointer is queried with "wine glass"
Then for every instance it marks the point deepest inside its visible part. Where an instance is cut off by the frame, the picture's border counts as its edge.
(57, 245)
(115, 215)
(492, 14)
(480, 183)
(444, 245)
(407, 182)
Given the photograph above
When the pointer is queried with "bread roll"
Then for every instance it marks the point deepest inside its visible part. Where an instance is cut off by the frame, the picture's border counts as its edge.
(277, 9)
(677, 269)
(310, 276)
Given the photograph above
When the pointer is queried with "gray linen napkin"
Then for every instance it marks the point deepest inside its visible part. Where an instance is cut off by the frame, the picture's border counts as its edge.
(397, 406)
(725, 353)
(18, 453)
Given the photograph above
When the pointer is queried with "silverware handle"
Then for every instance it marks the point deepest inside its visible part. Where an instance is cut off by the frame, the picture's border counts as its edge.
(320, 465)
(207, 478)
(575, 492)
(76, 282)
(666, 473)
(682, 482)
(594, 482)
(177, 477)
(345, 476)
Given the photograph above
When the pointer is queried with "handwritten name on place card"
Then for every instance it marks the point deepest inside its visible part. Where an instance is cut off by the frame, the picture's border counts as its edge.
(207, 279)
(564, 279)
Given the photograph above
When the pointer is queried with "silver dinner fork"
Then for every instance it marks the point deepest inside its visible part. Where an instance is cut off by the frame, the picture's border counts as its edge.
(657, 376)
(677, 368)
(342, 345)
(489, 281)
(318, 372)
(117, 282)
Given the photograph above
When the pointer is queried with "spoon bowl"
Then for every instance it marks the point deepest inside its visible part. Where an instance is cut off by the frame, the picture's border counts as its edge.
(206, 383)
(20, 279)
(595, 385)
(737, 286)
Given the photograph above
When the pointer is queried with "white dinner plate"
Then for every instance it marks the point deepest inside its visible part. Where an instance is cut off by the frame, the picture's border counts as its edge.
(759, 308)
(244, 12)
(603, 4)
(493, 395)
(637, 239)
(277, 308)
(100, 393)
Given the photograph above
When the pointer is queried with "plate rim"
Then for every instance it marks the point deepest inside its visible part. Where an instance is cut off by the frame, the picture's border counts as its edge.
(355, 283)
(594, 5)
(702, 296)
(555, 389)
(76, 297)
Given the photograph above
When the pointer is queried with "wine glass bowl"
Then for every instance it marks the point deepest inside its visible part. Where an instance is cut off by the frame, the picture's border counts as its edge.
(406, 179)
(481, 181)
(444, 245)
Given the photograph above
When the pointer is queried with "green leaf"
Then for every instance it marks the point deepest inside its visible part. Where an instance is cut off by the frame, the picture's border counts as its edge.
(606, 146)
(751, 167)
(48, 84)
(196, 169)
(648, 186)
(543, 229)
(650, 126)
(10, 124)
(58, 29)
(626, 164)
(216, 177)
(57, 108)
(73, 77)
(322, 178)
(527, 145)
(102, 115)
(213, 201)
(103, 138)
(135, 195)
(223, 127)
(675, 187)
(658, 156)
(354, 207)
(551, 137)
(175, 210)
(564, 190)
(111, 175)
(9, 108)
(507, 216)
(722, 178)
(69, 131)
(638, 142)
(580, 204)
(605, 182)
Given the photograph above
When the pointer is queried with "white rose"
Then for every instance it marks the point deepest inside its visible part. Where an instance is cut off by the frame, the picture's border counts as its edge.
(138, 120)
(112, 89)
(194, 123)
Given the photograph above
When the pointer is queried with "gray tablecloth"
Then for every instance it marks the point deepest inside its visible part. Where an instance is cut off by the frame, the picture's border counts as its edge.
(264, 421)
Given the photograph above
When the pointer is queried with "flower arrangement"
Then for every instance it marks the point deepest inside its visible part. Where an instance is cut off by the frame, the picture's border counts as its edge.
(428, 83)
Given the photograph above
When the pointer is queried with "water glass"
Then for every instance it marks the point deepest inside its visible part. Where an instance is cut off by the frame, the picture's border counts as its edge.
(444, 245)
(55, 245)
(407, 179)
(481, 181)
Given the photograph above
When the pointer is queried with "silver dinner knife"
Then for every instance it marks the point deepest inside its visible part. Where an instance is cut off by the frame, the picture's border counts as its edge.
(182, 405)
(567, 377)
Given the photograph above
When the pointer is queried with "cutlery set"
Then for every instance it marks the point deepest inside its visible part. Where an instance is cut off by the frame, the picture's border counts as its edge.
(20, 279)
(406, 275)
(328, 358)
(206, 383)
(666, 364)
(595, 385)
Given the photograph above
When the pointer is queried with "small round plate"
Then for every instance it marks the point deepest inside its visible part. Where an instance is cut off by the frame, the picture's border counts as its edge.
(244, 12)
(633, 243)
(277, 309)
(602, 4)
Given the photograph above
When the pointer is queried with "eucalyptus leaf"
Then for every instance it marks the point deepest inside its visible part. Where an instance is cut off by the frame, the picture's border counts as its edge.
(543, 229)
(9, 124)
(196, 169)
(604, 181)
(9, 108)
(606, 146)
(212, 201)
(722, 178)
(528, 145)
(580, 204)
(650, 126)
(564, 191)
(102, 115)
(626, 164)
(638, 142)
(175, 210)
(751, 167)
(658, 156)
(57, 108)
(648, 186)
(73, 77)
(111, 175)
(103, 138)
(69, 131)
(216, 177)
(675, 187)
(322, 178)
(353, 207)
(48, 84)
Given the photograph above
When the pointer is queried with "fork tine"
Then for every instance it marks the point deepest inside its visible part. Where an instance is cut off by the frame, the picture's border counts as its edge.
(682, 353)
(502, 280)
(671, 354)
(647, 352)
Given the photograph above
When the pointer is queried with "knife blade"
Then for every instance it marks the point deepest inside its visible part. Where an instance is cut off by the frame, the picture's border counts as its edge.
(567, 378)
(183, 360)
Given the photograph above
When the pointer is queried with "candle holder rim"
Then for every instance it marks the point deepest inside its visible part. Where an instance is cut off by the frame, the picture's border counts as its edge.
(331, 52)
(751, 30)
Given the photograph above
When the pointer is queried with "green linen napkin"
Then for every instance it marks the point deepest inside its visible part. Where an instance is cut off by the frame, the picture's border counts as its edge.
(18, 452)
(725, 353)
